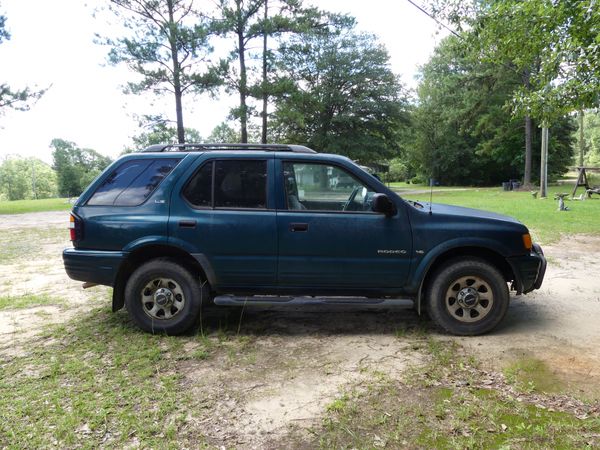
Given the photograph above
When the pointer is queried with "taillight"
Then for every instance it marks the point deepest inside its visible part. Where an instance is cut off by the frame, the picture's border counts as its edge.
(75, 228)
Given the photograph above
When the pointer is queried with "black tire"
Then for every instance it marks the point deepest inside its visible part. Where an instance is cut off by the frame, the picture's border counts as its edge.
(170, 306)
(467, 297)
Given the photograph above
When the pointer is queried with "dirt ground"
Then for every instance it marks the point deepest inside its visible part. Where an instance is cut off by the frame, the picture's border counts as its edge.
(304, 358)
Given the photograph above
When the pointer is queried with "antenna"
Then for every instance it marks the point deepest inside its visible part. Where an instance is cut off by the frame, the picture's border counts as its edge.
(430, 193)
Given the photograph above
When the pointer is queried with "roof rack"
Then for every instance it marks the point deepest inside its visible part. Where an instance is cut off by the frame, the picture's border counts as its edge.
(215, 147)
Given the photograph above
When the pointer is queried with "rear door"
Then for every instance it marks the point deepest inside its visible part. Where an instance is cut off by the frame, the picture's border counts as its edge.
(328, 235)
(222, 213)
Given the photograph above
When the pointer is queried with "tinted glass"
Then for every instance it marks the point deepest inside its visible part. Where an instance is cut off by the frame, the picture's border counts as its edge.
(199, 189)
(241, 184)
(132, 182)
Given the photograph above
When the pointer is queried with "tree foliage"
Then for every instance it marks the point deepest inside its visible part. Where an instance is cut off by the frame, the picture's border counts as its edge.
(75, 167)
(161, 133)
(339, 95)
(167, 46)
(558, 41)
(245, 21)
(26, 178)
(19, 99)
(464, 133)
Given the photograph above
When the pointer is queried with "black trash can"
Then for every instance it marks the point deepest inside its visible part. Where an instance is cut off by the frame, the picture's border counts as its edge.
(506, 185)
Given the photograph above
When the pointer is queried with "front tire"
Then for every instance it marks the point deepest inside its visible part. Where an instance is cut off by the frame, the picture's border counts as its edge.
(163, 296)
(467, 297)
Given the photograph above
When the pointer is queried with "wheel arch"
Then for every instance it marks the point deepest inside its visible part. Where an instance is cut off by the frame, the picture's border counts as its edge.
(152, 251)
(493, 257)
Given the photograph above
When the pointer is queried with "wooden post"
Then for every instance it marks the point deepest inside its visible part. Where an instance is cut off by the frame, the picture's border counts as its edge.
(544, 164)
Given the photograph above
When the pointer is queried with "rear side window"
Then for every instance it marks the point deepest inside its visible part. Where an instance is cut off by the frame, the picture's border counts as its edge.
(132, 182)
(236, 184)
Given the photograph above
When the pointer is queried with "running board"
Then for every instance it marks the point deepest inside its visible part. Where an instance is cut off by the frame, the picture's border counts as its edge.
(270, 300)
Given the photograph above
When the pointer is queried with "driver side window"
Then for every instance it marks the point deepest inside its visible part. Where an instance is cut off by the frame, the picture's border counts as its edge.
(322, 187)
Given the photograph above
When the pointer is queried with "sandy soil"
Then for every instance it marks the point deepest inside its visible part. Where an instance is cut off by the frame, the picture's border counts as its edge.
(560, 323)
(303, 358)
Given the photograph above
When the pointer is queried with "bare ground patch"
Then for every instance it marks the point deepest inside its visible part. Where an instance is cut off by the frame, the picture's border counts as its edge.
(558, 324)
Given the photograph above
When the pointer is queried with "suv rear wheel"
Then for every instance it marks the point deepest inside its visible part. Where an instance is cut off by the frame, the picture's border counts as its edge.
(162, 296)
(467, 297)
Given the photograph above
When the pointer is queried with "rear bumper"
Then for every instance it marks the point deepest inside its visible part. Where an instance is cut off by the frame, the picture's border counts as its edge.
(529, 270)
(93, 266)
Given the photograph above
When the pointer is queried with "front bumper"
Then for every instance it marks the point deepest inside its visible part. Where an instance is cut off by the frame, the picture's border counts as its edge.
(93, 266)
(529, 270)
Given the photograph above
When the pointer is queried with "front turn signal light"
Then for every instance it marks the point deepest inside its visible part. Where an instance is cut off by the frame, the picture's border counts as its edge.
(527, 241)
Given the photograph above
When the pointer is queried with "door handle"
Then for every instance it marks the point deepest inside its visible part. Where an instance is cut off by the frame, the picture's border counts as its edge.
(187, 224)
(298, 227)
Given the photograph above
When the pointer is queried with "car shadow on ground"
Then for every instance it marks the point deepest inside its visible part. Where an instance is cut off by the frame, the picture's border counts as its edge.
(313, 320)
(330, 319)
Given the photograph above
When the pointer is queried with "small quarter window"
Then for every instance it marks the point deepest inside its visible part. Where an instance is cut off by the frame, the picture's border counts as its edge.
(132, 182)
(199, 189)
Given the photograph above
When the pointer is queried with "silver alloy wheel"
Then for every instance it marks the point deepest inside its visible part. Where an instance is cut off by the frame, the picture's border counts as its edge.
(162, 299)
(469, 299)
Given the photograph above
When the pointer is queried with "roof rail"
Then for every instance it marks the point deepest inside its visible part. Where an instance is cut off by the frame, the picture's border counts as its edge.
(215, 147)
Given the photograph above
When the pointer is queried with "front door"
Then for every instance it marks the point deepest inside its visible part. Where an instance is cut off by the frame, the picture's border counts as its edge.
(330, 238)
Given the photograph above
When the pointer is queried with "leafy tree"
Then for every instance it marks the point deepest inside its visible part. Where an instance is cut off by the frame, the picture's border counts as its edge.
(161, 133)
(26, 178)
(167, 46)
(341, 95)
(465, 134)
(591, 134)
(246, 21)
(19, 99)
(558, 39)
(223, 133)
(75, 167)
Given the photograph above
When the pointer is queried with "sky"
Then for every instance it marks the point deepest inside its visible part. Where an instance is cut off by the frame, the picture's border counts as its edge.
(52, 46)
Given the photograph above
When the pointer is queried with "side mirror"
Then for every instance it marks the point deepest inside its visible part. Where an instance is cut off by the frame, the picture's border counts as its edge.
(381, 203)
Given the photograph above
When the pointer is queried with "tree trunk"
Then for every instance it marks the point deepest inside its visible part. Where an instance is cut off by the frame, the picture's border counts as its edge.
(528, 158)
(544, 163)
(176, 75)
(264, 80)
(581, 138)
(243, 76)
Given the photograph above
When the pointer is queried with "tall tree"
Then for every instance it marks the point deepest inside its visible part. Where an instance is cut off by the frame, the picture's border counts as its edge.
(75, 167)
(246, 21)
(168, 46)
(465, 133)
(341, 94)
(556, 41)
(19, 99)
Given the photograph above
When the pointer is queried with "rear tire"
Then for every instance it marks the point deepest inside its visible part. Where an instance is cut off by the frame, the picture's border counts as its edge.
(467, 297)
(163, 296)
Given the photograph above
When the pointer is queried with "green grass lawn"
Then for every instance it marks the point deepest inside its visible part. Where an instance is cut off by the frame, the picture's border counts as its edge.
(25, 206)
(540, 215)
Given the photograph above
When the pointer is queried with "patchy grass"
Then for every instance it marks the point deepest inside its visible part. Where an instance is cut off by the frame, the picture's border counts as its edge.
(540, 215)
(25, 206)
(447, 403)
(532, 375)
(25, 245)
(99, 382)
(27, 301)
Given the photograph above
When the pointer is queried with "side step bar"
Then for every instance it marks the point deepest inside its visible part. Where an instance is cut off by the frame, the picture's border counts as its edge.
(270, 300)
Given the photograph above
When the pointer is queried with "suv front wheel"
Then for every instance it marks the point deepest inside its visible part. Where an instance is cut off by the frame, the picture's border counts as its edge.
(162, 296)
(467, 297)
